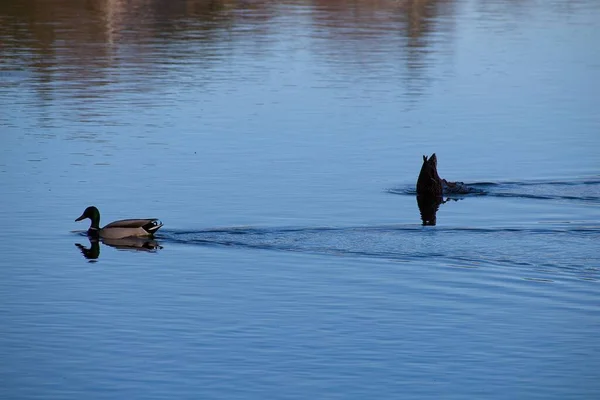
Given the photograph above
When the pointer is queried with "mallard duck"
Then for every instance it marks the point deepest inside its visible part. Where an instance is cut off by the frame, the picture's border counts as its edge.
(119, 229)
(429, 183)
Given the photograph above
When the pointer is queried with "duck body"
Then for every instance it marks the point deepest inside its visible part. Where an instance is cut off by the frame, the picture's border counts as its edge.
(119, 229)
(429, 183)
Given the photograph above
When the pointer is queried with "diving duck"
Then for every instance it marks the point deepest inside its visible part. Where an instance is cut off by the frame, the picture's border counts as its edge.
(429, 183)
(119, 229)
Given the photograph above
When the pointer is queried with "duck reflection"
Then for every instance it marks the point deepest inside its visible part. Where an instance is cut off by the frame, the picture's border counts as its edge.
(132, 243)
(92, 252)
(428, 207)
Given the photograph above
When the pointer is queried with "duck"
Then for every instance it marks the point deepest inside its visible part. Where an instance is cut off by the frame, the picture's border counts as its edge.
(429, 183)
(119, 229)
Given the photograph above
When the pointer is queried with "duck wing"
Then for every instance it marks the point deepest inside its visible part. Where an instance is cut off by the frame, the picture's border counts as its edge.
(149, 225)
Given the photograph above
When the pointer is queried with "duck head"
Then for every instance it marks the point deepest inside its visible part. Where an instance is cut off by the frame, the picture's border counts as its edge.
(93, 214)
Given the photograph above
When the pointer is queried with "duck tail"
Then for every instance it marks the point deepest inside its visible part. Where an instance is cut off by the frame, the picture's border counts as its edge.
(153, 226)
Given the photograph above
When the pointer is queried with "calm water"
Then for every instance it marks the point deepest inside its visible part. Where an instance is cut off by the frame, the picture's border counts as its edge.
(280, 144)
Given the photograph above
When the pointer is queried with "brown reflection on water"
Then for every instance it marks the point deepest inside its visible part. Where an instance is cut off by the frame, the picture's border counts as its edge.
(389, 37)
(412, 19)
(94, 58)
(85, 38)
(95, 43)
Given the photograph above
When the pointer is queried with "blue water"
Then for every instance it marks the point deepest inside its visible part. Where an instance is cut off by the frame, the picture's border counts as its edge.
(280, 145)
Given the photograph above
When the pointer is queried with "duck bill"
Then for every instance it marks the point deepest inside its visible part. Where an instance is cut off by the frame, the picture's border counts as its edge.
(80, 218)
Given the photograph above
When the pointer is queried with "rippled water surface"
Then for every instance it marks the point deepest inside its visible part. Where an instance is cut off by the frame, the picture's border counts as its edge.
(279, 143)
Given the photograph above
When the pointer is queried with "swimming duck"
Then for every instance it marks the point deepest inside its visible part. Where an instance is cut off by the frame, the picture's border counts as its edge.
(119, 229)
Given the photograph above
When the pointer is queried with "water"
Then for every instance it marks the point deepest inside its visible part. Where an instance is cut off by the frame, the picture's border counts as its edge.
(280, 144)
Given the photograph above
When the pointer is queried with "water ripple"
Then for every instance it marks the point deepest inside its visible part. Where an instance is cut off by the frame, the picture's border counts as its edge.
(516, 247)
(585, 190)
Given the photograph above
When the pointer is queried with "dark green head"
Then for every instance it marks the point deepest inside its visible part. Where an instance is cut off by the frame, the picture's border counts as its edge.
(93, 214)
